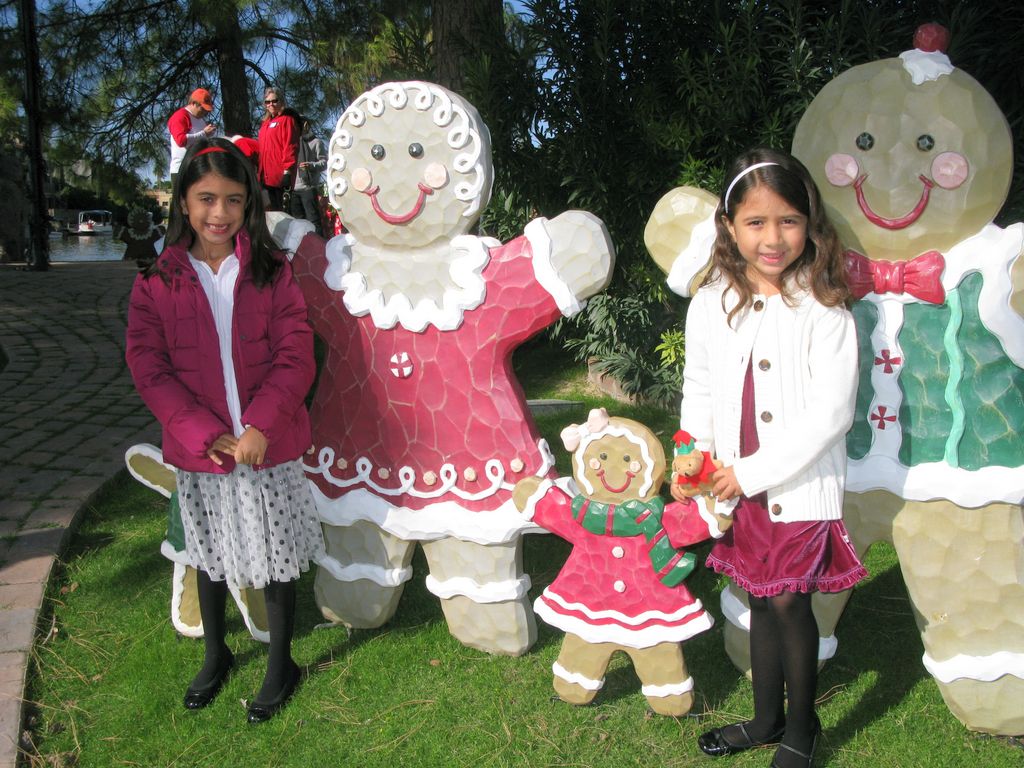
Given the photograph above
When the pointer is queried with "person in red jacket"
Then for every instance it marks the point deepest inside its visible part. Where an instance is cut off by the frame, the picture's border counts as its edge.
(221, 352)
(187, 125)
(278, 147)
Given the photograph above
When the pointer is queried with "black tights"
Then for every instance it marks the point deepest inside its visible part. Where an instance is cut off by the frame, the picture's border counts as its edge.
(784, 664)
(280, 600)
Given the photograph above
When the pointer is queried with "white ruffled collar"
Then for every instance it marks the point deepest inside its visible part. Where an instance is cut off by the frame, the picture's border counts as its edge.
(469, 256)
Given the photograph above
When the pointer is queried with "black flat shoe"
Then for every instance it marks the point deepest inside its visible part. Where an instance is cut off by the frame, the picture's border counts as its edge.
(197, 698)
(260, 712)
(715, 744)
(809, 758)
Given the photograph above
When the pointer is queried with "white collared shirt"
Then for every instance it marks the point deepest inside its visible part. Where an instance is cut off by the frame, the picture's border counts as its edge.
(219, 287)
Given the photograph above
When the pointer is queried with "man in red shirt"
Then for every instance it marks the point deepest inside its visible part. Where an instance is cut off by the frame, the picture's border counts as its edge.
(187, 125)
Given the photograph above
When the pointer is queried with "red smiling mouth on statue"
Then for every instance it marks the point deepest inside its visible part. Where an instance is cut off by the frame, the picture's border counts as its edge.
(392, 218)
(902, 221)
(620, 489)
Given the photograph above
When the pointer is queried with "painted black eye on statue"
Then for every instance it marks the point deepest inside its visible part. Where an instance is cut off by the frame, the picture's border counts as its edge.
(377, 151)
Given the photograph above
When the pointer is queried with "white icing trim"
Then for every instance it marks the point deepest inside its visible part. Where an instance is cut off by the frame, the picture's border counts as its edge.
(735, 612)
(970, 489)
(587, 437)
(448, 474)
(150, 452)
(693, 258)
(990, 252)
(491, 592)
(983, 668)
(576, 678)
(738, 614)
(926, 65)
(827, 647)
(641, 618)
(702, 508)
(294, 231)
(531, 503)
(469, 257)
(669, 689)
(263, 635)
(378, 574)
(544, 269)
(434, 521)
(622, 632)
(177, 591)
(167, 550)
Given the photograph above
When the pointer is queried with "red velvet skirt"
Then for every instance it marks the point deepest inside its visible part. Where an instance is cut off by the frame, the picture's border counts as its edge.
(767, 558)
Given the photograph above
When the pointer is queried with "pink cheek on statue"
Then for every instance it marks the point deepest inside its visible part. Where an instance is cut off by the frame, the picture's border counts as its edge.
(950, 169)
(841, 169)
(594, 464)
(362, 179)
(435, 175)
(634, 467)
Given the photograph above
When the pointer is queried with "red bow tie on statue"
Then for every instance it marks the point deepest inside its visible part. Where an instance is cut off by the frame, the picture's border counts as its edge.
(920, 277)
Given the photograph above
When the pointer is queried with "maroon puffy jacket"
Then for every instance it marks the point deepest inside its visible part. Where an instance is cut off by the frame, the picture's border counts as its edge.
(173, 354)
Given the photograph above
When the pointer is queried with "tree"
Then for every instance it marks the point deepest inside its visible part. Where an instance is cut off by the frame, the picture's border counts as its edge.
(463, 29)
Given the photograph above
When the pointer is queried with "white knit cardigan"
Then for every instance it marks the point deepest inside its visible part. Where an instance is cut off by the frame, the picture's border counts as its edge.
(805, 385)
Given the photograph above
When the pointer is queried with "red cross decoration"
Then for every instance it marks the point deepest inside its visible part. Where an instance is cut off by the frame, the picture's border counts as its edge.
(888, 360)
(881, 416)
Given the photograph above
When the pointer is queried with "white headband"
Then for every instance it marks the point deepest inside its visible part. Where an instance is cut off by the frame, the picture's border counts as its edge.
(739, 176)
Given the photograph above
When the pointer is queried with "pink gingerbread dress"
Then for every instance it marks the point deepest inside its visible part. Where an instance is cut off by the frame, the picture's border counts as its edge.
(420, 430)
(614, 587)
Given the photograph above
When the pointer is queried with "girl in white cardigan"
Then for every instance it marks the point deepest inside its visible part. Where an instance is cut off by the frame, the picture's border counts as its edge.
(769, 387)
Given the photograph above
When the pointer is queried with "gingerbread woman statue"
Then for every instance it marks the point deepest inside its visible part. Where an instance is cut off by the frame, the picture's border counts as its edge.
(420, 429)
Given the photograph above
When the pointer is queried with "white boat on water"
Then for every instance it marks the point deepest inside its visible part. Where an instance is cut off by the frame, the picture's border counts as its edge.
(95, 223)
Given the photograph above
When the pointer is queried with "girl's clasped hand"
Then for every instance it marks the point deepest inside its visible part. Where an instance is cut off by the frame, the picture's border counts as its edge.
(250, 448)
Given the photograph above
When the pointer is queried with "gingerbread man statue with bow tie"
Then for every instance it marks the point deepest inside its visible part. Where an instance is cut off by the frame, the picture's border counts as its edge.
(914, 160)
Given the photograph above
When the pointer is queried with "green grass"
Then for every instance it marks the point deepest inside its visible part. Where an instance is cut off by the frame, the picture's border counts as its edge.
(108, 671)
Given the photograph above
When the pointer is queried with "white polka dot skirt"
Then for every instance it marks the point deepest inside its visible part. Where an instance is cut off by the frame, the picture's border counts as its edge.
(250, 527)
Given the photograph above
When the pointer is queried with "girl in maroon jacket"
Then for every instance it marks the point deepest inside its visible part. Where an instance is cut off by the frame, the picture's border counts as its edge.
(220, 351)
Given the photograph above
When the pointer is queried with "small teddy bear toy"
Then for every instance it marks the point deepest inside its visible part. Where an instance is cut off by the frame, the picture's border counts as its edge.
(691, 468)
(621, 588)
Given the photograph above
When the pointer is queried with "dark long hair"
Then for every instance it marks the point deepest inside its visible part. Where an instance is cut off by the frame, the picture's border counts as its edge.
(821, 268)
(225, 160)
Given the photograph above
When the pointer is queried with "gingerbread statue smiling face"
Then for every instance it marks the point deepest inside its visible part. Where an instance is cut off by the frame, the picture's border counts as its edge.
(928, 164)
(420, 430)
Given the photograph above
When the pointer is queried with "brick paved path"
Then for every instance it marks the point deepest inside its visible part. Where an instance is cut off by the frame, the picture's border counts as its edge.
(68, 411)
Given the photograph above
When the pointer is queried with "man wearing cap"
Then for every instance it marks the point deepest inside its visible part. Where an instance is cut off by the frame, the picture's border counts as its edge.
(187, 125)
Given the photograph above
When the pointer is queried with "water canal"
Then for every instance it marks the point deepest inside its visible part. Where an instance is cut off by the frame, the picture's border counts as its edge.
(94, 248)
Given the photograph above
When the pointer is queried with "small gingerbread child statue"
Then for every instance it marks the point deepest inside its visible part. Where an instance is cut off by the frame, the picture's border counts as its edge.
(622, 587)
